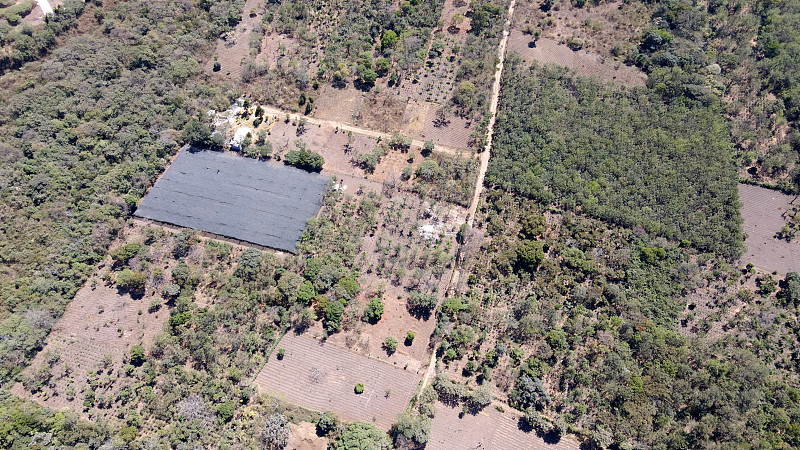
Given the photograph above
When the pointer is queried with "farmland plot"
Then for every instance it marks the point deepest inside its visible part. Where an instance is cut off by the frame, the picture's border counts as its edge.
(764, 213)
(550, 51)
(489, 429)
(321, 377)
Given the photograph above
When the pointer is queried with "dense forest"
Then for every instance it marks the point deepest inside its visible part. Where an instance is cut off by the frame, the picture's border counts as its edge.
(666, 167)
(741, 55)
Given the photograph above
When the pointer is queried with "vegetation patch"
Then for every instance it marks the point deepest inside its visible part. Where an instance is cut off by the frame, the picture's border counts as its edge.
(623, 156)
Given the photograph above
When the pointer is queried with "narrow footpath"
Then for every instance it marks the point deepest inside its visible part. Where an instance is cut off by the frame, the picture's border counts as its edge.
(498, 74)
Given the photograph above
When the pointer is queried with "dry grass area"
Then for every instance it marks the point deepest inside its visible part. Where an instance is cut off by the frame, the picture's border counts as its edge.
(321, 376)
(89, 346)
(584, 63)
(489, 429)
(233, 48)
(763, 212)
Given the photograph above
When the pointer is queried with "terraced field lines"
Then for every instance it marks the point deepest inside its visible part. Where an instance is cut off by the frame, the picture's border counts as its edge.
(489, 429)
(322, 377)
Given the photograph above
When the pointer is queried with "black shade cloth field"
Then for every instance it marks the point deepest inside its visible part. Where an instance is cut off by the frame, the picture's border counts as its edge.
(254, 201)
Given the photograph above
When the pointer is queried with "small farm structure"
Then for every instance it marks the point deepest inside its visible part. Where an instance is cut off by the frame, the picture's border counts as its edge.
(254, 201)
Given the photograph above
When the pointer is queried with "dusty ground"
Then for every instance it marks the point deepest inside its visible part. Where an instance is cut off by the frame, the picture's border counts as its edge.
(304, 437)
(763, 212)
(489, 429)
(584, 63)
(321, 376)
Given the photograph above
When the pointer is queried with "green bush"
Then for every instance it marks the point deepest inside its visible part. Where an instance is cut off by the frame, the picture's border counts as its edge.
(359, 389)
(304, 159)
(390, 345)
(374, 310)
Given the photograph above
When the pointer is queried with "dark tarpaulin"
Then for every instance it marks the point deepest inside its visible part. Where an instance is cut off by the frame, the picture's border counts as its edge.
(255, 201)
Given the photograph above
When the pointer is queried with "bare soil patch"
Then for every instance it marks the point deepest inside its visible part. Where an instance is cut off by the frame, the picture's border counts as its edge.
(304, 437)
(321, 376)
(584, 63)
(489, 429)
(763, 212)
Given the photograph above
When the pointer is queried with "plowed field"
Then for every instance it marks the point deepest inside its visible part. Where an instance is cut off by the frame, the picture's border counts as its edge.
(322, 377)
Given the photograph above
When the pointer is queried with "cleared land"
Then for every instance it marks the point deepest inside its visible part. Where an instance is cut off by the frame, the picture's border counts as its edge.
(241, 198)
(763, 212)
(549, 51)
(322, 377)
(489, 429)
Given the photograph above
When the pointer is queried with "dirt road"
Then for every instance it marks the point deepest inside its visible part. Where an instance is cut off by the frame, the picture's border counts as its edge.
(498, 74)
(484, 157)
(358, 130)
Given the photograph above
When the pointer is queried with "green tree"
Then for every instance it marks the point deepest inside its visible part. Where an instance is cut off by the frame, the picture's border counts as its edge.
(382, 66)
(374, 310)
(530, 254)
(333, 316)
(390, 345)
(197, 133)
(137, 356)
(362, 436)
(306, 293)
(389, 39)
(411, 428)
(327, 423)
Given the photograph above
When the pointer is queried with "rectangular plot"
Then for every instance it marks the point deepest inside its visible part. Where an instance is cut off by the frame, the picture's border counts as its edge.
(763, 211)
(241, 198)
(322, 377)
(489, 429)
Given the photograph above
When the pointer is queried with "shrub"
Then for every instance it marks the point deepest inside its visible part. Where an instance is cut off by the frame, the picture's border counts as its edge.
(390, 344)
(359, 389)
(374, 310)
(123, 253)
(281, 353)
(131, 281)
(304, 159)
(275, 433)
(410, 338)
(225, 411)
